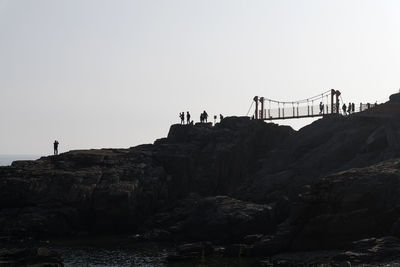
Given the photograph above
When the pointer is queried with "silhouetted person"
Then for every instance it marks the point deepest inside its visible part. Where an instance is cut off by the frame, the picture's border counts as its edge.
(353, 107)
(321, 107)
(349, 108)
(55, 147)
(202, 117)
(187, 117)
(221, 117)
(344, 108)
(368, 105)
(182, 116)
(337, 106)
(205, 116)
(215, 119)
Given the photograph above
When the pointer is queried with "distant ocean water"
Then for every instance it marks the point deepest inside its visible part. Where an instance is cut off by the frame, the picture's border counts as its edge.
(6, 160)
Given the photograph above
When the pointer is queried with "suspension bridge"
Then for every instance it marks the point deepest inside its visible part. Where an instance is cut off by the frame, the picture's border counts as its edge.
(328, 102)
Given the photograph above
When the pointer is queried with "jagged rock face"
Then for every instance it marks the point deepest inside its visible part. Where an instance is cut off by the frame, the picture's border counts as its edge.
(80, 191)
(218, 218)
(241, 181)
(216, 160)
(112, 190)
(395, 98)
(328, 145)
(350, 205)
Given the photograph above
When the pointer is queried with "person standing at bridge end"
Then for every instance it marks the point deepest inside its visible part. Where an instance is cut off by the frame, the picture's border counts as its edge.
(55, 146)
(344, 108)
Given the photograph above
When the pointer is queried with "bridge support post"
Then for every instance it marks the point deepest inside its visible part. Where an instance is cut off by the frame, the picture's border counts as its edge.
(333, 92)
(312, 108)
(256, 111)
(337, 101)
(262, 108)
(293, 109)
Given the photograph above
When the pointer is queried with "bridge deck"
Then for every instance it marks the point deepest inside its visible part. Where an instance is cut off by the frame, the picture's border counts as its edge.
(294, 117)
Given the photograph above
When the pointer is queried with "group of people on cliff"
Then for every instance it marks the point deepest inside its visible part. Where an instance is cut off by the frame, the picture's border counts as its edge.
(203, 117)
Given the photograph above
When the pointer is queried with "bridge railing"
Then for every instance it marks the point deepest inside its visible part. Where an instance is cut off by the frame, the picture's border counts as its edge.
(364, 107)
(295, 112)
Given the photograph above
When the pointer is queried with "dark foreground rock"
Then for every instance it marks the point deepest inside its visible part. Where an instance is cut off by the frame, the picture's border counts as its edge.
(253, 188)
(38, 257)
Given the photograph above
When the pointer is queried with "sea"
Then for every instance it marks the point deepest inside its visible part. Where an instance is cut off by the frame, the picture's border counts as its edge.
(6, 160)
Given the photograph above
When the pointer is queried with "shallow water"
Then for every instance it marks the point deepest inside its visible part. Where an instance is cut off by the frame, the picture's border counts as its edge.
(112, 251)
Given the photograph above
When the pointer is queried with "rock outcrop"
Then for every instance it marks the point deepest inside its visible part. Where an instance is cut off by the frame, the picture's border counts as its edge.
(251, 187)
(116, 190)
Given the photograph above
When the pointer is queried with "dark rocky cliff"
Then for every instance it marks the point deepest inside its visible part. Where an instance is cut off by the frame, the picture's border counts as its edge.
(244, 181)
(114, 190)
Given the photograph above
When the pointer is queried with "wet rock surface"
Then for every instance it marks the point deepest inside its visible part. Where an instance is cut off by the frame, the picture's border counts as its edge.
(38, 257)
(242, 187)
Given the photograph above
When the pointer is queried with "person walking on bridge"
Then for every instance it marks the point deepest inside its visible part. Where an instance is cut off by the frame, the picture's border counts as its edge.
(321, 107)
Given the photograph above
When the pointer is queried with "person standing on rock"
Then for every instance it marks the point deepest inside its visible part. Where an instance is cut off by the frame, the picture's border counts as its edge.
(221, 117)
(205, 116)
(182, 116)
(187, 117)
(55, 145)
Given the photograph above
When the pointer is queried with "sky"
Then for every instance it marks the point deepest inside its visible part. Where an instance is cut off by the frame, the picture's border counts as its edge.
(116, 73)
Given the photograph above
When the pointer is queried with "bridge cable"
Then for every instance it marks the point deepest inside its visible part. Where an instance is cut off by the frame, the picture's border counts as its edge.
(252, 103)
(299, 101)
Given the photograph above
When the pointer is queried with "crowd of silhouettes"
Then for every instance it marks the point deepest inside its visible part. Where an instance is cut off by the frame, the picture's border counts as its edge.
(347, 110)
(182, 117)
(203, 117)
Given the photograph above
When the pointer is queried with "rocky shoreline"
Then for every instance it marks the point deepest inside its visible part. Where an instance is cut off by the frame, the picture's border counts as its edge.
(241, 188)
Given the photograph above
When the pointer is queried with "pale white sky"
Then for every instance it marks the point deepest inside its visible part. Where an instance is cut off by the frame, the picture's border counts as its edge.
(114, 73)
